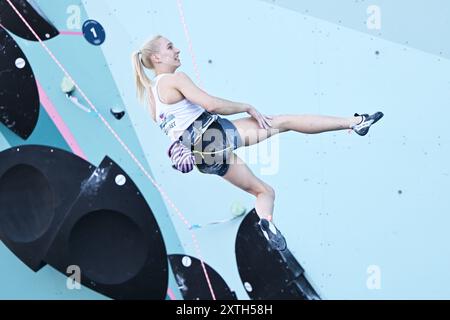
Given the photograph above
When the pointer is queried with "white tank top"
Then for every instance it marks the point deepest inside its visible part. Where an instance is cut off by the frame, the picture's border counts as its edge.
(173, 119)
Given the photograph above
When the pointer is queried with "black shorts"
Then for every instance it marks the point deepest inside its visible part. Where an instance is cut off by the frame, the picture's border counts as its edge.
(212, 139)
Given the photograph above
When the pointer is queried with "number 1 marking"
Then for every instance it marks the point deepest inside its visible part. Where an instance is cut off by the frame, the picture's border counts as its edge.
(93, 32)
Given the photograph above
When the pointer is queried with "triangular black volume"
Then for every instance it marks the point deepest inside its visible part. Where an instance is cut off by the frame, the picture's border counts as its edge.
(267, 273)
(192, 282)
(32, 14)
(19, 97)
(38, 184)
(110, 233)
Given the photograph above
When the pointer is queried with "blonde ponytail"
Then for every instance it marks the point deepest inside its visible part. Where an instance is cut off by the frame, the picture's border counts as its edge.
(141, 79)
(140, 60)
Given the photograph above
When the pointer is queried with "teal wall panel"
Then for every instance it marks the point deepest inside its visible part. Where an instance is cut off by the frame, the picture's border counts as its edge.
(347, 204)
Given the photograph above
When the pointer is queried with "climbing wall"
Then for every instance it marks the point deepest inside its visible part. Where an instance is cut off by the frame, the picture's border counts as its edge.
(364, 217)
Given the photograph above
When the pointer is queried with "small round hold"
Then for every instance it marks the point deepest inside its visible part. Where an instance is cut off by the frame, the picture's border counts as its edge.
(186, 261)
(120, 179)
(117, 113)
(20, 63)
(47, 35)
(248, 287)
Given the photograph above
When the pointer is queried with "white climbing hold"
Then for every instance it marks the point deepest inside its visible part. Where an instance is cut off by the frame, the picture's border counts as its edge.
(120, 179)
(20, 63)
(67, 86)
(186, 261)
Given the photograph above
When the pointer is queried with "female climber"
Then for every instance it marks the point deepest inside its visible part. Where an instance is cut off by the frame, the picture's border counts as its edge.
(188, 114)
